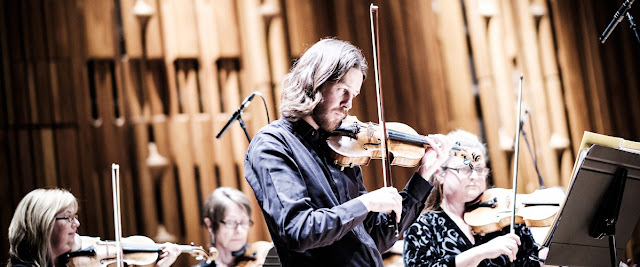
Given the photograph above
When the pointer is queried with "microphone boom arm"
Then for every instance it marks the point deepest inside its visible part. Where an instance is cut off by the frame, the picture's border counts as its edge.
(237, 115)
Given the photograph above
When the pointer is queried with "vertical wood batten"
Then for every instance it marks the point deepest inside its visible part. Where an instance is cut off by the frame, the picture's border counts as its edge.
(535, 96)
(255, 75)
(255, 71)
(457, 70)
(559, 140)
(570, 64)
(6, 179)
(89, 197)
(481, 19)
(209, 51)
(597, 98)
(278, 51)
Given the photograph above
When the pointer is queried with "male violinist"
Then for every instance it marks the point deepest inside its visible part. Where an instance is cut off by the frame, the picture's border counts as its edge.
(318, 214)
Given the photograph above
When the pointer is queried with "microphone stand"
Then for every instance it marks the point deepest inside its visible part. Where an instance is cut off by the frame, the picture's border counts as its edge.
(624, 10)
(533, 156)
(633, 26)
(244, 127)
(237, 115)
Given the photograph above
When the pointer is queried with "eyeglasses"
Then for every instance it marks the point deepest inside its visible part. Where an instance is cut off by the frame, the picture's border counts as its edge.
(234, 225)
(69, 218)
(467, 170)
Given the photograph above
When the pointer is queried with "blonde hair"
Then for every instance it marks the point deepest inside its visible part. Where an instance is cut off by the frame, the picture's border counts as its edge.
(32, 225)
(326, 61)
(465, 140)
(217, 203)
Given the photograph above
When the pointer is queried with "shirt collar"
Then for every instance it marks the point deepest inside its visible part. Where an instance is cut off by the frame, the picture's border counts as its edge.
(309, 133)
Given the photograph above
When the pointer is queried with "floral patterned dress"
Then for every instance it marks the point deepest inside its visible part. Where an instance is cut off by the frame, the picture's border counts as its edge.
(434, 239)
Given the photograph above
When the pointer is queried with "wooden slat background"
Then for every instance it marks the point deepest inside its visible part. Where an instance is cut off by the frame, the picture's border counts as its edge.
(75, 96)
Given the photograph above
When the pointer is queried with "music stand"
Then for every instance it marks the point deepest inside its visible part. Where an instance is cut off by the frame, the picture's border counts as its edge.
(569, 241)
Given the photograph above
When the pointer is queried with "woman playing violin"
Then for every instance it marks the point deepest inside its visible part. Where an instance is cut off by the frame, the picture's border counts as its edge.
(44, 227)
(227, 215)
(440, 236)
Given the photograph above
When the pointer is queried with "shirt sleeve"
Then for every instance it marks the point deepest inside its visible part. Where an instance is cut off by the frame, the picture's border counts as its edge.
(277, 181)
(421, 247)
(413, 198)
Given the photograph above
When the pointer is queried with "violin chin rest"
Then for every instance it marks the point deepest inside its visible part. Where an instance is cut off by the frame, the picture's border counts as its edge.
(77, 244)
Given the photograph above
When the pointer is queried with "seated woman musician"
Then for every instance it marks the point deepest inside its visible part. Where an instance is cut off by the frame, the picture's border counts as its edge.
(227, 216)
(440, 236)
(44, 227)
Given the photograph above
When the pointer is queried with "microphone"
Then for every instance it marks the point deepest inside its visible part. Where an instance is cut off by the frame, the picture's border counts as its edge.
(238, 112)
(617, 18)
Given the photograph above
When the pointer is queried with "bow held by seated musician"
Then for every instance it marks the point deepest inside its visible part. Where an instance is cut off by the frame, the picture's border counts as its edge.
(441, 237)
(43, 229)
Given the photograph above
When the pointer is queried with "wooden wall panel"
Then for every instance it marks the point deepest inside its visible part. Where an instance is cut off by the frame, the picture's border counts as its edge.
(598, 99)
(303, 35)
(481, 20)
(534, 94)
(255, 72)
(6, 180)
(69, 169)
(456, 60)
(569, 63)
(100, 28)
(278, 50)
(227, 28)
(6, 211)
(559, 140)
(72, 103)
(181, 127)
(179, 28)
(132, 27)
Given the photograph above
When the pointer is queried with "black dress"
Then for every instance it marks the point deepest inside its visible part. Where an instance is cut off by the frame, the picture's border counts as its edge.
(435, 240)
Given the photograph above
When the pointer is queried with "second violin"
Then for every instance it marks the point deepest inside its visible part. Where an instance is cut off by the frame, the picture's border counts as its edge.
(492, 211)
(138, 250)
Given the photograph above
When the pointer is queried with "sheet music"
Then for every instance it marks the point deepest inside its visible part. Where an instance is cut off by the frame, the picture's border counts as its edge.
(630, 150)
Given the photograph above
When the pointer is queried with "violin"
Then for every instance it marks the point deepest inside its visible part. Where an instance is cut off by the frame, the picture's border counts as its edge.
(137, 250)
(356, 143)
(493, 209)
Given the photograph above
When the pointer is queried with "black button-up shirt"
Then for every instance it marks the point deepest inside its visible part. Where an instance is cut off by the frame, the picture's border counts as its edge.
(309, 205)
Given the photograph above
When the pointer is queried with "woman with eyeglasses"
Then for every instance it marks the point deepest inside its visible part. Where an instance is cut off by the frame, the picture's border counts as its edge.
(440, 236)
(227, 216)
(44, 227)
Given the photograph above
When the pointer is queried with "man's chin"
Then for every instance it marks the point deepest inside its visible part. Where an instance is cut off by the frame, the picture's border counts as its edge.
(333, 127)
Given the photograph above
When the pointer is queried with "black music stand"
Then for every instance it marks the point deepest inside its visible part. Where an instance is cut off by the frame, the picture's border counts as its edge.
(596, 187)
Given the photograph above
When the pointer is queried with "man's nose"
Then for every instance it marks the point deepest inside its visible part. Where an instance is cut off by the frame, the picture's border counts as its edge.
(348, 103)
